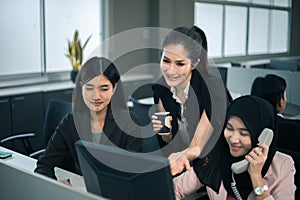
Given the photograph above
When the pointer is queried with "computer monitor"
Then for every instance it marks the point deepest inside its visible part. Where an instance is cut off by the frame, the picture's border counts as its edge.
(115, 173)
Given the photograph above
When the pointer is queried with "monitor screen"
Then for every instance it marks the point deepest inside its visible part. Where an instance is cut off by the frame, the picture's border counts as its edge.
(115, 173)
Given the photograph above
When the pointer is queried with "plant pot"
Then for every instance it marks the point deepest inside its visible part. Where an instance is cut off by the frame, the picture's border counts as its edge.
(73, 75)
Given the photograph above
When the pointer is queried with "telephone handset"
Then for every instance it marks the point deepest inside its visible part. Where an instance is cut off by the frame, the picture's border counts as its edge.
(265, 137)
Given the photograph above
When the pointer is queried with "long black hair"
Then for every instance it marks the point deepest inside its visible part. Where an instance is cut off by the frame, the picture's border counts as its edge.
(194, 42)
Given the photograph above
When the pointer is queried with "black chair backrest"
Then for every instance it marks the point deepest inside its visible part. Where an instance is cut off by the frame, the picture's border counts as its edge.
(223, 73)
(143, 91)
(56, 110)
(289, 134)
(236, 64)
(296, 158)
(150, 142)
(141, 110)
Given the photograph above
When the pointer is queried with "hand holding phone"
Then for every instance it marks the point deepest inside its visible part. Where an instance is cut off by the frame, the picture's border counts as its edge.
(266, 138)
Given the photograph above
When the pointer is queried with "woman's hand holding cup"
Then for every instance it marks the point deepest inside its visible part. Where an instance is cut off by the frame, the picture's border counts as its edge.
(162, 125)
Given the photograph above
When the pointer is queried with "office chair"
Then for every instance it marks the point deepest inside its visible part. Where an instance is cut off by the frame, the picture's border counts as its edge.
(296, 158)
(141, 110)
(236, 64)
(24, 138)
(150, 142)
(288, 134)
(56, 110)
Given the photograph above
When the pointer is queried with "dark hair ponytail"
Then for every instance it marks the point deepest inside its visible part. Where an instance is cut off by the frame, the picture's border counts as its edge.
(198, 35)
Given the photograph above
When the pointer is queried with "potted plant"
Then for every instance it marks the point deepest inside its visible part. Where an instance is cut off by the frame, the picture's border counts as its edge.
(75, 54)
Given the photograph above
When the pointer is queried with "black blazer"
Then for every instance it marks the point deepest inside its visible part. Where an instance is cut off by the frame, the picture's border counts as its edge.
(198, 101)
(207, 92)
(61, 152)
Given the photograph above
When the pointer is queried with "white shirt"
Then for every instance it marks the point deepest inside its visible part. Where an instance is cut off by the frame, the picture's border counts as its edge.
(185, 91)
(182, 124)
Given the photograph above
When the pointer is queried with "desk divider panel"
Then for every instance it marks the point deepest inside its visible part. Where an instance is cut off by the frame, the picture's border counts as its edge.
(239, 80)
(21, 184)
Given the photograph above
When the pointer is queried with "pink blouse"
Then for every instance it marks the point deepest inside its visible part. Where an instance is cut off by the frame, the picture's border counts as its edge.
(279, 178)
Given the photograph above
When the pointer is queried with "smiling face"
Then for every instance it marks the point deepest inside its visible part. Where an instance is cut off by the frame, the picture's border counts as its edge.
(237, 136)
(97, 93)
(176, 67)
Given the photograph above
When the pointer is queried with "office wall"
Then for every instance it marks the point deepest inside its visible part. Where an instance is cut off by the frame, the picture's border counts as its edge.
(239, 81)
(173, 13)
(295, 30)
(129, 14)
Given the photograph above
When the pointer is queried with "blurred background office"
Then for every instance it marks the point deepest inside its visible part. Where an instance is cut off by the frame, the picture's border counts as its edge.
(246, 38)
(34, 33)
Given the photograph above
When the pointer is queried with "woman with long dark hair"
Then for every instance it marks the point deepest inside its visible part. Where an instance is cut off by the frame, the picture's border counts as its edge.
(193, 94)
(99, 115)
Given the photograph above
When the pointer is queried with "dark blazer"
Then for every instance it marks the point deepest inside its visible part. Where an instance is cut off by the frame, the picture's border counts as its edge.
(198, 101)
(288, 133)
(61, 152)
(207, 92)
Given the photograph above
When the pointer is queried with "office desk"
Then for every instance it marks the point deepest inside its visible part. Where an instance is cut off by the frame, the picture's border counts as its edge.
(292, 111)
(20, 182)
(19, 161)
(147, 101)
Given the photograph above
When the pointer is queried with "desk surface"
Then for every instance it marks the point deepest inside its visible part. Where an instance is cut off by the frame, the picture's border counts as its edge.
(147, 101)
(18, 160)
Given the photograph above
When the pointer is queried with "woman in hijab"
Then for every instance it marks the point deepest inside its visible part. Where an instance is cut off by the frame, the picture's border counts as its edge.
(270, 174)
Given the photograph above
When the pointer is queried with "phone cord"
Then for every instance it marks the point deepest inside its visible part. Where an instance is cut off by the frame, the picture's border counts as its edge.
(234, 188)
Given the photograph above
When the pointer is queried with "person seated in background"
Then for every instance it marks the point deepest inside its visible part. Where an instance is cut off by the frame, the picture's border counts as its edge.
(270, 174)
(99, 115)
(188, 90)
(273, 89)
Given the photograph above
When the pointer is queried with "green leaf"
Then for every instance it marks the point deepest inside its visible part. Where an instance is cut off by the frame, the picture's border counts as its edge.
(76, 36)
(75, 51)
(87, 40)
